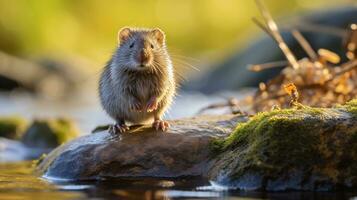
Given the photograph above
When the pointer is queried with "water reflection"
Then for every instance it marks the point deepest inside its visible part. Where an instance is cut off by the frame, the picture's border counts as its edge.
(18, 182)
(192, 194)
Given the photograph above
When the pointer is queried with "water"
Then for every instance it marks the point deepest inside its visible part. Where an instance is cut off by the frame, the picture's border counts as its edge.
(18, 182)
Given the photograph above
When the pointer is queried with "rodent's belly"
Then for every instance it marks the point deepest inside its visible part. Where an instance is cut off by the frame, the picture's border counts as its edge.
(139, 117)
(122, 111)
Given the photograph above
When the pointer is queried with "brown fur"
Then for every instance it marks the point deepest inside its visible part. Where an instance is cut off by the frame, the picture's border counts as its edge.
(123, 83)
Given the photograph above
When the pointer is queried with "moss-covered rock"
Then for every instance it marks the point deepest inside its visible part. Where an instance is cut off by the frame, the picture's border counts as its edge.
(12, 127)
(299, 148)
(50, 133)
(351, 107)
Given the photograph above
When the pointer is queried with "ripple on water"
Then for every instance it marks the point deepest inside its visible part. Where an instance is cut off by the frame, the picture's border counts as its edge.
(18, 182)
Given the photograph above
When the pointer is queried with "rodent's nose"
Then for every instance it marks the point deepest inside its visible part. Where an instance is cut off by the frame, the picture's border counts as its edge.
(143, 57)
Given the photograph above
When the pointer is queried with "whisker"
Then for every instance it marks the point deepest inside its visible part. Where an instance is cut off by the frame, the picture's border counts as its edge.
(185, 64)
(178, 76)
(185, 57)
(157, 66)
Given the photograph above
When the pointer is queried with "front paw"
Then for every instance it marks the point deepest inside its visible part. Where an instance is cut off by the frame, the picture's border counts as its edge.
(151, 105)
(117, 129)
(136, 106)
(161, 125)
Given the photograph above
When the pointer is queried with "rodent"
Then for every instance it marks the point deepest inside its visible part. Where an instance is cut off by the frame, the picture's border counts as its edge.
(138, 85)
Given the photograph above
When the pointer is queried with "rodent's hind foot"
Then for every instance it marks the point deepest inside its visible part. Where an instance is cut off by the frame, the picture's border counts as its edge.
(161, 125)
(117, 129)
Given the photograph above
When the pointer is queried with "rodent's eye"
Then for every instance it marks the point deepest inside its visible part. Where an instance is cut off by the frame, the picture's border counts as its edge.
(131, 45)
(152, 46)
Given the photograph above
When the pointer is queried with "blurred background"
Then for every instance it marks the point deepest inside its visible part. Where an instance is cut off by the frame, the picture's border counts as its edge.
(51, 52)
(88, 28)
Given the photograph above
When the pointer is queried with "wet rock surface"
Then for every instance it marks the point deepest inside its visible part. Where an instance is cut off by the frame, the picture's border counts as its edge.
(142, 152)
(304, 148)
(301, 148)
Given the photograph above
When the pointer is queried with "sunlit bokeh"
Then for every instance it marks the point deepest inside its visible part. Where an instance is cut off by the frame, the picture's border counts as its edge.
(88, 28)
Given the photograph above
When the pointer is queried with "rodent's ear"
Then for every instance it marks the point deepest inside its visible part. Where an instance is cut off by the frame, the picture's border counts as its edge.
(159, 35)
(124, 34)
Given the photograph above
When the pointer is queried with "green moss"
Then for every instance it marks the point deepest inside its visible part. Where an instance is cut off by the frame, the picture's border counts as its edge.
(267, 121)
(351, 107)
(313, 142)
(12, 127)
(273, 143)
(276, 120)
(65, 129)
(50, 133)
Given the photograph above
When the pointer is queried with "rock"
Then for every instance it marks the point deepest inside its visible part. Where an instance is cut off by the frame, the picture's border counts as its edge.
(50, 133)
(8, 84)
(12, 127)
(141, 152)
(49, 76)
(17, 73)
(40, 138)
(292, 149)
(299, 148)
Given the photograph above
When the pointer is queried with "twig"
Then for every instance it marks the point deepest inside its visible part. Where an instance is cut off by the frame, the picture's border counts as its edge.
(305, 44)
(275, 33)
(260, 67)
(263, 27)
(348, 66)
(232, 103)
(318, 28)
(213, 106)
